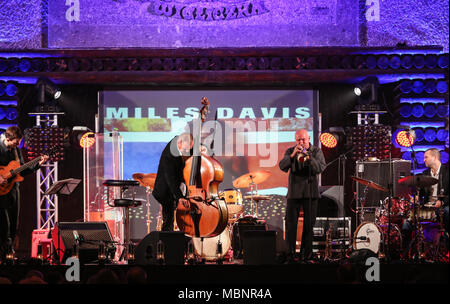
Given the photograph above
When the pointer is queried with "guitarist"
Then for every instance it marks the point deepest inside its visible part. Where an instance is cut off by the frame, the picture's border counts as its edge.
(10, 202)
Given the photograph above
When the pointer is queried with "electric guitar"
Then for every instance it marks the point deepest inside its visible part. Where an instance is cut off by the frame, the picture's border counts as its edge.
(12, 171)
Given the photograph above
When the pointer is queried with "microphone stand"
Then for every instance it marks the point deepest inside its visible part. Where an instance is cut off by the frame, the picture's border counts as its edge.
(390, 188)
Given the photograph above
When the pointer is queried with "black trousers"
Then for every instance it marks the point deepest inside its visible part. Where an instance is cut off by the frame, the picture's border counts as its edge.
(293, 208)
(168, 210)
(8, 228)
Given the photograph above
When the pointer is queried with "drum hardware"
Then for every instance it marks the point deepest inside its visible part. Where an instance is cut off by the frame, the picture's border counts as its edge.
(374, 237)
(251, 180)
(440, 246)
(148, 181)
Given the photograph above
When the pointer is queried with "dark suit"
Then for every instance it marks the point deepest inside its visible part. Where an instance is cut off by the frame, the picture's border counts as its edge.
(442, 188)
(424, 194)
(303, 192)
(10, 202)
(167, 184)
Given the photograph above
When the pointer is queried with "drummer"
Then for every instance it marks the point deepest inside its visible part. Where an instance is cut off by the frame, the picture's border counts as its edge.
(436, 194)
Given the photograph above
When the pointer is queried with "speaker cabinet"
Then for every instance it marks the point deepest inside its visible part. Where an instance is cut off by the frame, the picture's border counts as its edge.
(90, 236)
(239, 229)
(259, 247)
(174, 245)
(378, 172)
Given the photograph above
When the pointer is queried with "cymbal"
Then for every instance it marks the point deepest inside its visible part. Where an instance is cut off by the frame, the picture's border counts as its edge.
(418, 181)
(370, 184)
(257, 197)
(256, 177)
(146, 180)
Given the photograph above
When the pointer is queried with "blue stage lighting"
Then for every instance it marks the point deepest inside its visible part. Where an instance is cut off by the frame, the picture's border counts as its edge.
(420, 157)
(405, 86)
(406, 155)
(430, 134)
(405, 110)
(442, 86)
(417, 86)
(442, 110)
(11, 89)
(444, 157)
(2, 113)
(429, 110)
(417, 110)
(420, 134)
(429, 86)
(442, 135)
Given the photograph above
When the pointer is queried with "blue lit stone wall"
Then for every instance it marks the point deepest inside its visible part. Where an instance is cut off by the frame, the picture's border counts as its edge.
(33, 24)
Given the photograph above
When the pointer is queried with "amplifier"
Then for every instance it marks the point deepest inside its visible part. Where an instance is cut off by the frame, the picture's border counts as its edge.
(242, 226)
(378, 172)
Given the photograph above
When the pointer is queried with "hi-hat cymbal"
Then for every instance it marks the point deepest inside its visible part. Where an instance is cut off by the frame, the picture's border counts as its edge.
(146, 180)
(257, 197)
(418, 181)
(246, 180)
(370, 184)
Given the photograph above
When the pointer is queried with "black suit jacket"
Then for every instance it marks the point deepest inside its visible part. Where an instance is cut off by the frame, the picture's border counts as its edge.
(169, 176)
(442, 185)
(300, 171)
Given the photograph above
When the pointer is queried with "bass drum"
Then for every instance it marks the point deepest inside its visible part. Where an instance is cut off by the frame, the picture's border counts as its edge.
(208, 248)
(374, 237)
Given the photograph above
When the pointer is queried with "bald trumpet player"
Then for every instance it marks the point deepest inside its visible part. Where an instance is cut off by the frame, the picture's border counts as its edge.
(304, 162)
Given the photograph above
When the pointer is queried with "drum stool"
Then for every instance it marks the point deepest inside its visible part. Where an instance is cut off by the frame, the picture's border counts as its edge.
(126, 204)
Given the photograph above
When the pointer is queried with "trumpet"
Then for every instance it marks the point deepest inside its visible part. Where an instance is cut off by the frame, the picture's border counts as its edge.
(302, 155)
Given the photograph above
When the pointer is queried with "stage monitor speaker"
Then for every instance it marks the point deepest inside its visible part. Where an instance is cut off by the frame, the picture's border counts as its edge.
(90, 236)
(174, 246)
(378, 172)
(259, 247)
(243, 225)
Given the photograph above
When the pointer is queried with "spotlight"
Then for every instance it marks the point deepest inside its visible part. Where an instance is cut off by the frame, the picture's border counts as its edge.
(82, 137)
(48, 87)
(367, 90)
(332, 137)
(405, 138)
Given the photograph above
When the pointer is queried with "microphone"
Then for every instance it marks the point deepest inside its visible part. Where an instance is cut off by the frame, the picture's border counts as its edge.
(75, 235)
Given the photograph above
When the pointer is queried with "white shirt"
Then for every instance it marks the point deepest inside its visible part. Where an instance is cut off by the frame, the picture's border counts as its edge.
(434, 188)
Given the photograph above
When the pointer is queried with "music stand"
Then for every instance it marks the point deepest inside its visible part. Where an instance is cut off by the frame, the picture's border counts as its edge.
(65, 186)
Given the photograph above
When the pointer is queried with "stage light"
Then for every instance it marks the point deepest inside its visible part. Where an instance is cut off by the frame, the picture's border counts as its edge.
(87, 140)
(444, 157)
(405, 138)
(429, 110)
(82, 137)
(405, 110)
(40, 140)
(367, 91)
(417, 86)
(442, 86)
(46, 86)
(328, 140)
(442, 135)
(11, 89)
(442, 110)
(420, 157)
(420, 134)
(331, 137)
(417, 110)
(430, 134)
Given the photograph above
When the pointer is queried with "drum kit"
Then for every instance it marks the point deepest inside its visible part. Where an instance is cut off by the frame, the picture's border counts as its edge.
(219, 247)
(384, 231)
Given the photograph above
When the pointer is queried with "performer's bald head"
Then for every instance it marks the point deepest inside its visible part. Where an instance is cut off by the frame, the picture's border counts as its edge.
(302, 138)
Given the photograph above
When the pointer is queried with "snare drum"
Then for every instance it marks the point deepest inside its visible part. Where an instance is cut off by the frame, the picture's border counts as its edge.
(233, 199)
(208, 248)
(374, 237)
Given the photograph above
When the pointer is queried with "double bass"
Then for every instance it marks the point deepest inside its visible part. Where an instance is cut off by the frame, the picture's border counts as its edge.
(207, 216)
